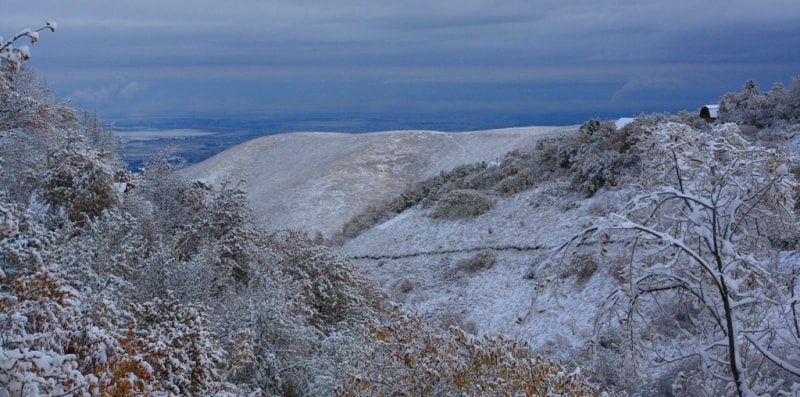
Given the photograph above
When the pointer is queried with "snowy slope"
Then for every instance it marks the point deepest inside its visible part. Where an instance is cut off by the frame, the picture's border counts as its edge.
(317, 181)
(416, 259)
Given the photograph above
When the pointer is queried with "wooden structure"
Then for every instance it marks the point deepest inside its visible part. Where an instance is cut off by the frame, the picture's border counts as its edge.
(709, 112)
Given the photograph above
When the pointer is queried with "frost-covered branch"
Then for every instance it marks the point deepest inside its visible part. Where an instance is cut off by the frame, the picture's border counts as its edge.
(772, 357)
(18, 55)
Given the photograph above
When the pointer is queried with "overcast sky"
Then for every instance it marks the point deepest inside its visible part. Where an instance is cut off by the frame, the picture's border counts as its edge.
(392, 58)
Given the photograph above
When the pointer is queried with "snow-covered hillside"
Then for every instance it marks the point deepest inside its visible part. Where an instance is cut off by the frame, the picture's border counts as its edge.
(495, 273)
(315, 182)
(439, 267)
(421, 262)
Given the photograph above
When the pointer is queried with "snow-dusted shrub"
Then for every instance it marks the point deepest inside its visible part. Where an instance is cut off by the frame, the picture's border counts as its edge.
(405, 356)
(41, 327)
(331, 284)
(28, 248)
(598, 156)
(160, 185)
(218, 222)
(176, 342)
(601, 155)
(79, 183)
(61, 339)
(8, 220)
(466, 176)
(517, 182)
(370, 216)
(462, 203)
(582, 266)
(32, 125)
(405, 286)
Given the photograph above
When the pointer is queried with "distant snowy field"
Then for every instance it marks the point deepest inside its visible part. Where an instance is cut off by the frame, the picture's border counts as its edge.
(144, 134)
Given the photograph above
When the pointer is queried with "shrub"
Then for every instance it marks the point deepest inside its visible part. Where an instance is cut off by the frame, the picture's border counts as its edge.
(371, 216)
(465, 203)
(405, 286)
(80, 183)
(603, 157)
(406, 357)
(583, 266)
(175, 340)
(335, 291)
(752, 107)
(516, 183)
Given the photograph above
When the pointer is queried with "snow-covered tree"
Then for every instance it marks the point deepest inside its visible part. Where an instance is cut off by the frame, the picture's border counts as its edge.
(752, 107)
(710, 210)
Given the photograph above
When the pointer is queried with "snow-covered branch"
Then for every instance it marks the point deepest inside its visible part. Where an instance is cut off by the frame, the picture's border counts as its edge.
(16, 56)
(783, 364)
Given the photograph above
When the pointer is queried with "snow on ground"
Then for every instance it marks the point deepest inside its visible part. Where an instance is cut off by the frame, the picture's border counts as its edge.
(416, 258)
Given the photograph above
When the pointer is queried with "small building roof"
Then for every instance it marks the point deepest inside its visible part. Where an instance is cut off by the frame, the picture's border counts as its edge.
(709, 111)
(623, 121)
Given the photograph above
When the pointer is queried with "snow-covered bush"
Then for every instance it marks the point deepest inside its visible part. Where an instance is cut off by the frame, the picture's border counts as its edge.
(583, 266)
(599, 155)
(484, 259)
(407, 357)
(176, 342)
(159, 186)
(462, 203)
(332, 285)
(517, 182)
(32, 125)
(41, 328)
(78, 183)
(779, 106)
(28, 246)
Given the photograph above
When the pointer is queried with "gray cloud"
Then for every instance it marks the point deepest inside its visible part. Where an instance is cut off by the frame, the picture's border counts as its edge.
(609, 51)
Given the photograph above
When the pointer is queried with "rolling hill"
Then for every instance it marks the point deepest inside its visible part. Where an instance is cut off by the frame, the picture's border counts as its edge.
(315, 182)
